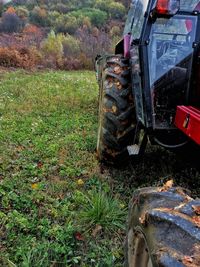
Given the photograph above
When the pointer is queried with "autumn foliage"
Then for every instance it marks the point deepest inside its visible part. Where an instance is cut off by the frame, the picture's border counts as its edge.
(66, 35)
(21, 58)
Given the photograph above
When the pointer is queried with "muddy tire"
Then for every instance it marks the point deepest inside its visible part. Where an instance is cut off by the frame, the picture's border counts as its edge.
(163, 229)
(116, 111)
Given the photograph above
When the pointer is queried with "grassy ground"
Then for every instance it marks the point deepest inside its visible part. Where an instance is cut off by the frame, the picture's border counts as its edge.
(58, 206)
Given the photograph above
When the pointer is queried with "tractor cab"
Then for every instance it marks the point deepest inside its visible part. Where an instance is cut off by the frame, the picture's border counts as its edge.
(150, 90)
(161, 38)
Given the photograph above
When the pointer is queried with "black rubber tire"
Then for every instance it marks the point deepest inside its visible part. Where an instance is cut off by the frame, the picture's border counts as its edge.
(167, 225)
(116, 111)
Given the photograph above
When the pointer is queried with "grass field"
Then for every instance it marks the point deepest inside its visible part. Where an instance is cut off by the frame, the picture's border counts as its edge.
(58, 205)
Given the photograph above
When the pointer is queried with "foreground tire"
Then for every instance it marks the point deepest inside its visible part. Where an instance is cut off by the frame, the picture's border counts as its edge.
(163, 229)
(116, 111)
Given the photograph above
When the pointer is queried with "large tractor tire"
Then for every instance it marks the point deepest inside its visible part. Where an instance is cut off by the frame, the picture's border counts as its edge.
(116, 110)
(163, 229)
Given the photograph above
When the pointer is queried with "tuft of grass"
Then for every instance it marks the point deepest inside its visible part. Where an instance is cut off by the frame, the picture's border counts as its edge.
(101, 209)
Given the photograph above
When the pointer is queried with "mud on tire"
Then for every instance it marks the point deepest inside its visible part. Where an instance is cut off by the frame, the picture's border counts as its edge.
(163, 229)
(116, 111)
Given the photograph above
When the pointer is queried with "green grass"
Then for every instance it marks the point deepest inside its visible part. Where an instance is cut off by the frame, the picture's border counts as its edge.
(58, 205)
(49, 174)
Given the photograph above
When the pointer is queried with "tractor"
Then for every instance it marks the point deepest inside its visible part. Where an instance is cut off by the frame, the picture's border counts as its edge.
(149, 91)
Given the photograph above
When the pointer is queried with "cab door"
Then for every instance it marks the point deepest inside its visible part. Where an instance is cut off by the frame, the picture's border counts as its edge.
(137, 26)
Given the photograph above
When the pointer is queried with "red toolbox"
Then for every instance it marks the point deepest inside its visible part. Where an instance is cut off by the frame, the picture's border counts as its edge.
(188, 120)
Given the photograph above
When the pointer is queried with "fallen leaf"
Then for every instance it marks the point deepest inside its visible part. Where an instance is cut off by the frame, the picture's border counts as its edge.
(122, 206)
(79, 236)
(196, 209)
(80, 182)
(143, 218)
(187, 259)
(167, 185)
(196, 220)
(117, 70)
(96, 230)
(35, 186)
(39, 165)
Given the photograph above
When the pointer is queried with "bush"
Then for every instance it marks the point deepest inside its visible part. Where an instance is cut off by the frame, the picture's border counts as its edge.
(19, 57)
(115, 31)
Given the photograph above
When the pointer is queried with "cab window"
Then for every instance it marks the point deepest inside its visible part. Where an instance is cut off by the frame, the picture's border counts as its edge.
(189, 5)
(135, 18)
(138, 20)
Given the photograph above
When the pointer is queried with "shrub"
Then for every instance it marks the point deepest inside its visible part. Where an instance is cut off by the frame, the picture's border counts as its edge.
(19, 57)
(115, 31)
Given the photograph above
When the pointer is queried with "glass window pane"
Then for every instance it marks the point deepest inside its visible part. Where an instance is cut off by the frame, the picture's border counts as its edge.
(135, 17)
(189, 5)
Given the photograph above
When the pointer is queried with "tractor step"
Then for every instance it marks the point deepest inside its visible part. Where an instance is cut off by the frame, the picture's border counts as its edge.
(133, 150)
(188, 121)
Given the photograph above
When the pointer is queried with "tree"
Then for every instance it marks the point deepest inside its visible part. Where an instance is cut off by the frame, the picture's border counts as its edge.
(10, 23)
(66, 24)
(11, 10)
(52, 46)
(39, 17)
(23, 14)
(117, 10)
(97, 17)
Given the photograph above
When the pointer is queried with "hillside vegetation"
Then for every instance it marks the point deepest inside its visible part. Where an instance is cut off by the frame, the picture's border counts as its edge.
(64, 34)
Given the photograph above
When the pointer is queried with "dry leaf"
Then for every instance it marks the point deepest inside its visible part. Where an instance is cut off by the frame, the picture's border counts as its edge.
(39, 165)
(196, 220)
(80, 182)
(96, 230)
(35, 186)
(79, 236)
(122, 206)
(186, 260)
(142, 219)
(196, 209)
(167, 185)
